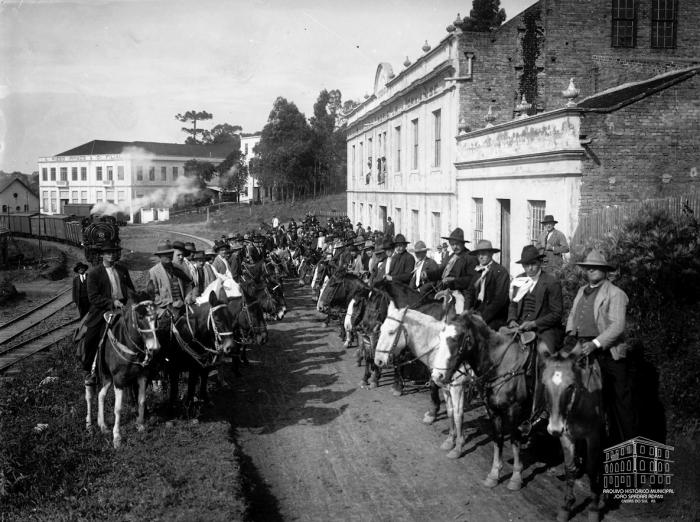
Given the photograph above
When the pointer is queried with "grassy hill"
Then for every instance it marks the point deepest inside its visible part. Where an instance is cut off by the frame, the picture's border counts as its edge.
(241, 217)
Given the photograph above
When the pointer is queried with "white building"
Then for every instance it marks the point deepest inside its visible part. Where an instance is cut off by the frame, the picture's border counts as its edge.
(252, 188)
(116, 171)
(401, 147)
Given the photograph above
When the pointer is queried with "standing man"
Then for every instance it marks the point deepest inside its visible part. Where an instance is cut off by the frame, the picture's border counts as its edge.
(402, 263)
(389, 229)
(359, 230)
(552, 243)
(488, 296)
(424, 264)
(597, 320)
(198, 259)
(457, 271)
(173, 287)
(80, 295)
(275, 222)
(536, 300)
(108, 285)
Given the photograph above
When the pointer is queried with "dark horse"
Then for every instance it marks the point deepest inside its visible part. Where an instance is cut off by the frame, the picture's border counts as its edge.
(129, 346)
(249, 319)
(337, 297)
(504, 378)
(374, 315)
(202, 334)
(573, 390)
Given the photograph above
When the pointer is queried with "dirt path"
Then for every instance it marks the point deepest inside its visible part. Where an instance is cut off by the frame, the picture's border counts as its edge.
(325, 449)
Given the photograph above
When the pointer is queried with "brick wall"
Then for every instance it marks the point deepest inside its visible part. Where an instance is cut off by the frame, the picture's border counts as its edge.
(636, 145)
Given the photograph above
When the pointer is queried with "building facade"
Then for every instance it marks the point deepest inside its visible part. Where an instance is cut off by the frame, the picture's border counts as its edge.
(638, 463)
(123, 173)
(252, 188)
(16, 196)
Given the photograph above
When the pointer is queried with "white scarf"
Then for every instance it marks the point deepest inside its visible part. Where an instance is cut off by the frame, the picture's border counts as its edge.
(481, 282)
(524, 285)
(418, 271)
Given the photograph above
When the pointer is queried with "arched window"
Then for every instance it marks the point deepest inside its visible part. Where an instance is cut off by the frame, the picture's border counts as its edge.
(641, 465)
(4, 208)
(17, 208)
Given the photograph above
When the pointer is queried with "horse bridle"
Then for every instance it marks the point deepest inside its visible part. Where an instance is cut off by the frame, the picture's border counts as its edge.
(218, 335)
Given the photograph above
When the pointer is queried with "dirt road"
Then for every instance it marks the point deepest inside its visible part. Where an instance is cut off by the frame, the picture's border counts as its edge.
(324, 449)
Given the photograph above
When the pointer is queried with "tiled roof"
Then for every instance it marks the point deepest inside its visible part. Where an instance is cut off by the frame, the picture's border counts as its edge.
(97, 147)
(621, 95)
(6, 182)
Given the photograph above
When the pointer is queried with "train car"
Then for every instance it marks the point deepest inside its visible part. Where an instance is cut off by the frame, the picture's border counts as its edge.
(56, 226)
(74, 232)
(77, 209)
(20, 223)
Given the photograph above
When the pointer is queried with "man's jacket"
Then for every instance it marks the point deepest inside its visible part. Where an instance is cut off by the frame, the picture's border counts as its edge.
(161, 281)
(401, 268)
(549, 306)
(557, 241)
(99, 291)
(494, 308)
(462, 271)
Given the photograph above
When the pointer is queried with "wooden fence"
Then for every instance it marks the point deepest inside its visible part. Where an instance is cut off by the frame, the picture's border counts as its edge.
(600, 222)
(330, 214)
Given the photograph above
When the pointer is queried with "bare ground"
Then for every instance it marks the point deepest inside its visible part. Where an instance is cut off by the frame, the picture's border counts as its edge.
(321, 448)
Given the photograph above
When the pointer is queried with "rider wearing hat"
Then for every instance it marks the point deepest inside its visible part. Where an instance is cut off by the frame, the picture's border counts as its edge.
(377, 273)
(172, 285)
(402, 263)
(235, 261)
(597, 320)
(536, 300)
(457, 271)
(108, 285)
(424, 264)
(489, 294)
(220, 263)
(552, 243)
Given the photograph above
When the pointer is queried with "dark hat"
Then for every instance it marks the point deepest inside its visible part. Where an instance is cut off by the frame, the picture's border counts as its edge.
(79, 265)
(179, 245)
(400, 239)
(358, 224)
(189, 246)
(231, 235)
(236, 246)
(380, 254)
(549, 219)
(484, 245)
(220, 245)
(456, 235)
(388, 244)
(163, 248)
(198, 255)
(596, 259)
(530, 254)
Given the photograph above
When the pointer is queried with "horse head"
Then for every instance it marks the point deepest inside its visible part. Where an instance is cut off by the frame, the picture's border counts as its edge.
(392, 335)
(219, 323)
(375, 311)
(142, 321)
(460, 338)
(250, 315)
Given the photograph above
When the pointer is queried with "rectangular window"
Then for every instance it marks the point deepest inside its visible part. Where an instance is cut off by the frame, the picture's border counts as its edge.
(74, 173)
(435, 229)
(163, 174)
(151, 173)
(624, 23)
(175, 173)
(98, 173)
(414, 153)
(83, 173)
(415, 232)
(83, 196)
(437, 132)
(110, 195)
(536, 214)
(362, 159)
(98, 196)
(362, 214)
(110, 173)
(64, 173)
(397, 221)
(370, 152)
(54, 202)
(120, 172)
(45, 200)
(139, 173)
(397, 153)
(74, 197)
(53, 173)
(664, 20)
(478, 219)
(246, 149)
(121, 196)
(44, 174)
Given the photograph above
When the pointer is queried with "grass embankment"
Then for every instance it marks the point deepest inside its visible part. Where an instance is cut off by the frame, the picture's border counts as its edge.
(51, 468)
(242, 217)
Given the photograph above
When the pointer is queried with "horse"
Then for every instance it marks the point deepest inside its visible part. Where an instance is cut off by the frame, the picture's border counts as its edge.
(336, 298)
(573, 392)
(202, 334)
(419, 332)
(125, 357)
(503, 370)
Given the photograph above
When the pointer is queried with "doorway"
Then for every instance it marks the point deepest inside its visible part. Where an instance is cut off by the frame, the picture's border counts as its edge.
(382, 217)
(505, 232)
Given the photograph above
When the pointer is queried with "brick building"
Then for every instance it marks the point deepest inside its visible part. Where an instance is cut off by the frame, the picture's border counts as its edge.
(631, 136)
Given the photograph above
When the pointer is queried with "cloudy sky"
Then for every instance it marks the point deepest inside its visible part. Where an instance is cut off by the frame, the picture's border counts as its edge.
(71, 72)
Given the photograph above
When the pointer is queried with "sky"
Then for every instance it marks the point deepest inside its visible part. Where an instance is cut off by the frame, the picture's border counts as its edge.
(71, 72)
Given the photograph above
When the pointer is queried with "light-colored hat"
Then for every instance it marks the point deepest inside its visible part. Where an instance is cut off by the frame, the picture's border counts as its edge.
(163, 248)
(596, 259)
(484, 245)
(420, 247)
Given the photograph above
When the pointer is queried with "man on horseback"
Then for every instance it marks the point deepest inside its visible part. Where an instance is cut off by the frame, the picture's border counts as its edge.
(457, 271)
(220, 265)
(402, 263)
(107, 286)
(597, 320)
(173, 287)
(424, 264)
(488, 296)
(235, 260)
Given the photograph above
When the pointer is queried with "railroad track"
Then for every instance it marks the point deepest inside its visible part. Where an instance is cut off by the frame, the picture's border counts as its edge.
(12, 355)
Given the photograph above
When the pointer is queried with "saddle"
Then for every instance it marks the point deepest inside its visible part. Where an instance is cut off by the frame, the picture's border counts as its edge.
(525, 339)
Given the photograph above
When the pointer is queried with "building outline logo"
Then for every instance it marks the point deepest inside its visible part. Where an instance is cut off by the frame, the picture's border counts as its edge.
(640, 467)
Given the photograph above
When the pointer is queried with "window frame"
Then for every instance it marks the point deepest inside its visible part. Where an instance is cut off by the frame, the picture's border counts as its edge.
(415, 150)
(437, 138)
(83, 173)
(654, 36)
(397, 138)
(616, 18)
(98, 173)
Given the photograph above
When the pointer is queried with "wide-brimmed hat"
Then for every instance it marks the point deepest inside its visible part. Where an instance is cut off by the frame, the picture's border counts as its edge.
(231, 235)
(178, 245)
(549, 219)
(209, 252)
(198, 255)
(596, 259)
(388, 244)
(420, 247)
(484, 245)
(189, 246)
(530, 254)
(400, 239)
(369, 245)
(163, 248)
(358, 224)
(220, 245)
(80, 265)
(236, 246)
(456, 235)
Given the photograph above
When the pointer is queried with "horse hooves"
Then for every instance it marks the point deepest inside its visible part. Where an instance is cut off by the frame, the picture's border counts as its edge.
(104, 430)
(429, 418)
(140, 428)
(373, 385)
(363, 384)
(491, 482)
(397, 393)
(515, 485)
(117, 442)
(454, 453)
(562, 515)
(448, 444)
